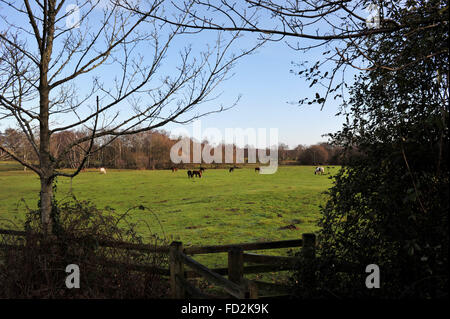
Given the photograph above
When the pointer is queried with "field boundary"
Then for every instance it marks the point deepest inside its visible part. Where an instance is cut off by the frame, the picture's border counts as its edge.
(235, 285)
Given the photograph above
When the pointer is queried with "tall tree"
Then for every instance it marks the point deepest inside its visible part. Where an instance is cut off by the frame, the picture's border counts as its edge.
(48, 51)
(389, 205)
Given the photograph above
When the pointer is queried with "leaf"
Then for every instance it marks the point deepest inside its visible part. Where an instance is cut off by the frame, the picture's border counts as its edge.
(313, 82)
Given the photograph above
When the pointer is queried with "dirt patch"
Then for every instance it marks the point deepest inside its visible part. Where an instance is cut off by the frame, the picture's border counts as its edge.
(191, 227)
(233, 209)
(291, 227)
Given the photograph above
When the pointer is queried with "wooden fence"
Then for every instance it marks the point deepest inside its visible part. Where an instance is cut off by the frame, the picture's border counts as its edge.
(235, 285)
(105, 262)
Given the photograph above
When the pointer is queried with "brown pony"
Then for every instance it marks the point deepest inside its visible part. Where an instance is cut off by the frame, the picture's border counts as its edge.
(197, 174)
(174, 169)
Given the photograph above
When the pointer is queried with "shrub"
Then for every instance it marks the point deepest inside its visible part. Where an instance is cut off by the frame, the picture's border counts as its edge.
(389, 204)
(372, 218)
(34, 266)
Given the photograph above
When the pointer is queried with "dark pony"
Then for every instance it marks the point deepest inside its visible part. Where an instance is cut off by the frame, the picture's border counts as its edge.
(231, 169)
(197, 174)
(190, 174)
(257, 169)
(202, 169)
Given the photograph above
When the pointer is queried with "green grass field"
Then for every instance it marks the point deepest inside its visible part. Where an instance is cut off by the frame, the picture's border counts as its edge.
(219, 208)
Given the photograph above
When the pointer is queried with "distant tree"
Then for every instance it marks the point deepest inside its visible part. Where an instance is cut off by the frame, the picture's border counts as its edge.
(298, 151)
(60, 141)
(283, 152)
(13, 139)
(159, 145)
(16, 140)
(313, 155)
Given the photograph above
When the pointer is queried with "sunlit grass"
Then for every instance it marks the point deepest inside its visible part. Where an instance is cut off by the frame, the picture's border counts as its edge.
(219, 208)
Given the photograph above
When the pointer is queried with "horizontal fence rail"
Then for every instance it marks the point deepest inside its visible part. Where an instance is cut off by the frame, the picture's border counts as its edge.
(236, 285)
(188, 250)
(13, 232)
(254, 269)
(109, 263)
(230, 287)
(245, 246)
(149, 248)
(266, 259)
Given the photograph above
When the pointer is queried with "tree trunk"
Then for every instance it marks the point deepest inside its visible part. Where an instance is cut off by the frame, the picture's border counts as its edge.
(46, 204)
(46, 164)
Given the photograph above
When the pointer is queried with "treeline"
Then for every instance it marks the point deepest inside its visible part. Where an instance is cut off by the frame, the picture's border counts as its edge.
(318, 154)
(150, 150)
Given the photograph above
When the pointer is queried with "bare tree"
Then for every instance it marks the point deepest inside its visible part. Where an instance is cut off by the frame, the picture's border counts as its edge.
(14, 139)
(102, 73)
(346, 30)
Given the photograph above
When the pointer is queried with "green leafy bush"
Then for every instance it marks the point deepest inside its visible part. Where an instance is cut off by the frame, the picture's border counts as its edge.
(390, 201)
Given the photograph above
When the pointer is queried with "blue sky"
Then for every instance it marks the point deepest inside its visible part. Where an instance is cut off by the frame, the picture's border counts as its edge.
(267, 86)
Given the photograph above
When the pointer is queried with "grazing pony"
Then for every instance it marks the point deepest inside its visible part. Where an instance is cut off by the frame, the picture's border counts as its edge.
(231, 169)
(197, 174)
(202, 169)
(257, 169)
(319, 170)
(174, 169)
(190, 174)
(102, 170)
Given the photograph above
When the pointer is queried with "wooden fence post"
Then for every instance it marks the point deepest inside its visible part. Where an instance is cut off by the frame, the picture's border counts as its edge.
(236, 265)
(251, 290)
(309, 246)
(309, 271)
(176, 269)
